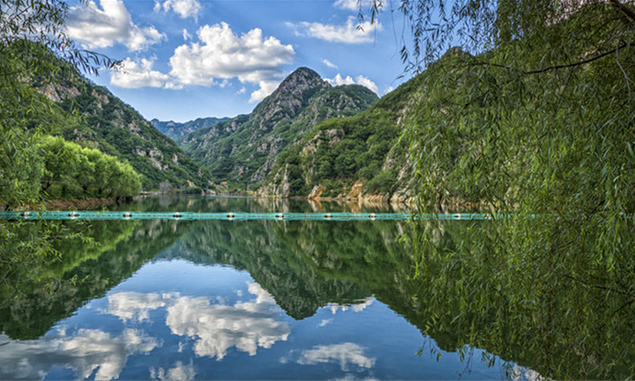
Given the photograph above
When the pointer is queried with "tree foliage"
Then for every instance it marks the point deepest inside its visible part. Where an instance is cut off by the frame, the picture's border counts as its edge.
(72, 171)
(531, 117)
(31, 32)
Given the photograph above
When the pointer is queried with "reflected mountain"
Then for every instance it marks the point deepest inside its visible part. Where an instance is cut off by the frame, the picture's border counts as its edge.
(222, 204)
(86, 271)
(257, 246)
(577, 331)
(564, 329)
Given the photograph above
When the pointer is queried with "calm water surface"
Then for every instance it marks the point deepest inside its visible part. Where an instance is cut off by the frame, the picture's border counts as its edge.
(234, 300)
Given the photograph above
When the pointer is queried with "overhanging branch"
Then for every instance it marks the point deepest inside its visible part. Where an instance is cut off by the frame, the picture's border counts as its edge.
(556, 67)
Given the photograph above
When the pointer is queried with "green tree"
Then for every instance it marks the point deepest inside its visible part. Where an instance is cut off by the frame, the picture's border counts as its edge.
(72, 171)
(527, 111)
(32, 43)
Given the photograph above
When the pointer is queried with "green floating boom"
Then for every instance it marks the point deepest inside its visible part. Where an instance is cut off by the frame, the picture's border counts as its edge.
(230, 216)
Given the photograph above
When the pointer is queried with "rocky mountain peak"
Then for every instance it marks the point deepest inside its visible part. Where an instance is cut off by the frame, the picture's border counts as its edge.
(301, 80)
(289, 99)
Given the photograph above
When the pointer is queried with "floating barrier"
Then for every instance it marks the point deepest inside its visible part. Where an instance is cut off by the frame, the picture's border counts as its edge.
(230, 216)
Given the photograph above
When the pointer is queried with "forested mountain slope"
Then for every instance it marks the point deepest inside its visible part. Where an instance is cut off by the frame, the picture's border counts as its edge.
(93, 117)
(347, 157)
(244, 149)
(175, 130)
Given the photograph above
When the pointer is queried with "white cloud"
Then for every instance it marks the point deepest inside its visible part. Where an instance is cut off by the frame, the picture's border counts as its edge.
(368, 83)
(352, 32)
(88, 352)
(183, 8)
(350, 5)
(344, 353)
(135, 74)
(329, 64)
(186, 35)
(102, 28)
(388, 90)
(348, 80)
(325, 322)
(221, 54)
(353, 5)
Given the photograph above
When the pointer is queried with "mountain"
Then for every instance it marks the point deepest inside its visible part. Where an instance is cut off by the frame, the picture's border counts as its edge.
(93, 117)
(176, 130)
(349, 157)
(245, 148)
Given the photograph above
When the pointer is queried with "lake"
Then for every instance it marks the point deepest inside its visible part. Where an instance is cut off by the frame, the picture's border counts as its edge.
(240, 300)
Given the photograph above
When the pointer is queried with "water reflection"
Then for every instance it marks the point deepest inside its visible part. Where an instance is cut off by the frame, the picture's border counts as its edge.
(301, 299)
(217, 327)
(186, 203)
(86, 352)
(344, 354)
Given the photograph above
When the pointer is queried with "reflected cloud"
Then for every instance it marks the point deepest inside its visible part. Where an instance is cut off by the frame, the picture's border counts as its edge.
(217, 328)
(86, 352)
(345, 354)
(178, 372)
(522, 373)
(136, 306)
(358, 307)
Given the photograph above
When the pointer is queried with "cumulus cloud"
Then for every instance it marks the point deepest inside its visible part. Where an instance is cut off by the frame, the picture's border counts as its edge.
(221, 54)
(139, 73)
(87, 351)
(102, 28)
(345, 354)
(186, 35)
(348, 80)
(329, 64)
(183, 8)
(352, 32)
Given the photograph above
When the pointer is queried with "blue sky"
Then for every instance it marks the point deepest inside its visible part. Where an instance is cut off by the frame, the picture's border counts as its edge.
(184, 59)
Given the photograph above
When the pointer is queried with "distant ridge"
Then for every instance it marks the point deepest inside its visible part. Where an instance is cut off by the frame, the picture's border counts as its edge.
(176, 130)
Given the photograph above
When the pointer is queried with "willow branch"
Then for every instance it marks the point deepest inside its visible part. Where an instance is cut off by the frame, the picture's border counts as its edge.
(554, 67)
(623, 8)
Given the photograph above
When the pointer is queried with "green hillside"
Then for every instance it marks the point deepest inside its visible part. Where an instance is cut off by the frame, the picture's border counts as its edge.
(242, 150)
(113, 127)
(335, 155)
